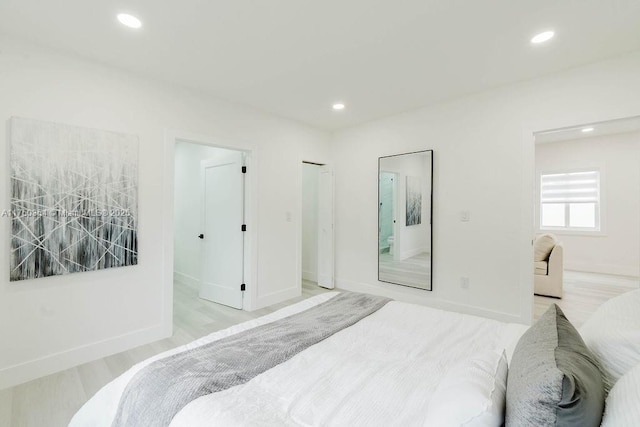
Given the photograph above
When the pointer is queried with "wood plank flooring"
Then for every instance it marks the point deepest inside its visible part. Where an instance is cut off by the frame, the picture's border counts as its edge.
(412, 271)
(52, 401)
(584, 293)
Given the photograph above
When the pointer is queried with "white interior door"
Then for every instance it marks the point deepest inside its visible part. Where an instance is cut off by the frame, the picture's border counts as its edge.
(222, 237)
(325, 228)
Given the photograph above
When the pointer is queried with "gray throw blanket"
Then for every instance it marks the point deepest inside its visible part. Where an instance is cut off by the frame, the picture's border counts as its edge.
(160, 390)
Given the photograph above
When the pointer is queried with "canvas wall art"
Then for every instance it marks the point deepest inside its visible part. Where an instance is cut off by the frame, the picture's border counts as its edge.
(74, 199)
(414, 201)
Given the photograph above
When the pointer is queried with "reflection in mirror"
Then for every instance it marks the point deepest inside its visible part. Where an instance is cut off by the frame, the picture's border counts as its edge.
(405, 183)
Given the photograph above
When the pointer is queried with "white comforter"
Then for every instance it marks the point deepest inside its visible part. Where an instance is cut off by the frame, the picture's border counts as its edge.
(381, 371)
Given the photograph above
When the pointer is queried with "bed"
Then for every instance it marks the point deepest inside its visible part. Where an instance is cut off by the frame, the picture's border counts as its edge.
(383, 369)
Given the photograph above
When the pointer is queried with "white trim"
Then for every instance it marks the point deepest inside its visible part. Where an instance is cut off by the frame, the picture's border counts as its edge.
(325, 280)
(413, 252)
(389, 290)
(395, 204)
(185, 278)
(278, 296)
(567, 227)
(572, 232)
(310, 275)
(528, 195)
(300, 274)
(569, 230)
(612, 269)
(251, 206)
(530, 199)
(168, 208)
(56, 362)
(601, 216)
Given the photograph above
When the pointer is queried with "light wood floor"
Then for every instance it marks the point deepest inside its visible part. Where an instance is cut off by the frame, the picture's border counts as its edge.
(584, 293)
(412, 271)
(51, 401)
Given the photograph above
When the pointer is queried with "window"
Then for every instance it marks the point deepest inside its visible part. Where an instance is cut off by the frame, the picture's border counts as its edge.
(570, 201)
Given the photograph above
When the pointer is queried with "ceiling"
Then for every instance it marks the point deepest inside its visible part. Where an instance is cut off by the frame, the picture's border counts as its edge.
(295, 58)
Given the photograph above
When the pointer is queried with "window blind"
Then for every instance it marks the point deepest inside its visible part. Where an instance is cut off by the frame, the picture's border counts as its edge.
(575, 187)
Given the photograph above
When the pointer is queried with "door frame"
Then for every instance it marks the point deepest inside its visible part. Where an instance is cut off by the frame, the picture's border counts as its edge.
(535, 199)
(168, 200)
(395, 202)
(528, 202)
(301, 163)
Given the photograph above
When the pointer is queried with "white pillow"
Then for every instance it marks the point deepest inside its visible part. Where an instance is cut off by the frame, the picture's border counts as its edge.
(613, 334)
(543, 246)
(623, 403)
(472, 393)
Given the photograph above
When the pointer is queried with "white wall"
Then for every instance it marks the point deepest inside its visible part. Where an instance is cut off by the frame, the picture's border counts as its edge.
(188, 207)
(53, 323)
(310, 176)
(616, 250)
(483, 163)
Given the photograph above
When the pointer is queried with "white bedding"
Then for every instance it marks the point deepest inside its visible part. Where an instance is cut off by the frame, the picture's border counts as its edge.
(381, 371)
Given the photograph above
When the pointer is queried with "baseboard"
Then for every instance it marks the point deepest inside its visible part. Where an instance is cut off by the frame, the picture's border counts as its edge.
(413, 252)
(277, 297)
(616, 270)
(185, 279)
(37, 368)
(310, 275)
(414, 298)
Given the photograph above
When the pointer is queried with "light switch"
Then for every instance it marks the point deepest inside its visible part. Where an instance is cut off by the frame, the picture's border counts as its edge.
(465, 216)
(288, 216)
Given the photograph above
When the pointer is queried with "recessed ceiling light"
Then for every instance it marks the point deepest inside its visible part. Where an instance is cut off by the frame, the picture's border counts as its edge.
(129, 20)
(587, 130)
(338, 106)
(542, 37)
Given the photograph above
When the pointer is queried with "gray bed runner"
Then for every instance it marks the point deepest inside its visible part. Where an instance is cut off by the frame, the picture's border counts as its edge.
(160, 390)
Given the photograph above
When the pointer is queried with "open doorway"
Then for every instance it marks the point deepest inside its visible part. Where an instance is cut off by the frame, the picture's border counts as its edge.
(317, 239)
(387, 215)
(587, 216)
(210, 223)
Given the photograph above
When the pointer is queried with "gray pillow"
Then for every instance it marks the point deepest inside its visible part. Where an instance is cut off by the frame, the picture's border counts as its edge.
(554, 378)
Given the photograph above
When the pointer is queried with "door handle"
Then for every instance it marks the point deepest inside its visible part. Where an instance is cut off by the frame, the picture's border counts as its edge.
(200, 236)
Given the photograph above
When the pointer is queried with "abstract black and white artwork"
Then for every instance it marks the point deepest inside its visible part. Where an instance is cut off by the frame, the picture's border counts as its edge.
(414, 201)
(74, 199)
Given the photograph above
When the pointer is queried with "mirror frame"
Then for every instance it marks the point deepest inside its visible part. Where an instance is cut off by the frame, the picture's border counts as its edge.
(430, 288)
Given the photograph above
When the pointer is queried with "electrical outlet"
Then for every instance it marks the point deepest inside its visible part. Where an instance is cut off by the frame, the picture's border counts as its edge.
(464, 282)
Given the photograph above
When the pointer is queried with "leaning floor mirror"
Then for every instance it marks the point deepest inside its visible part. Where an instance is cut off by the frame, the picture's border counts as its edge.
(405, 196)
